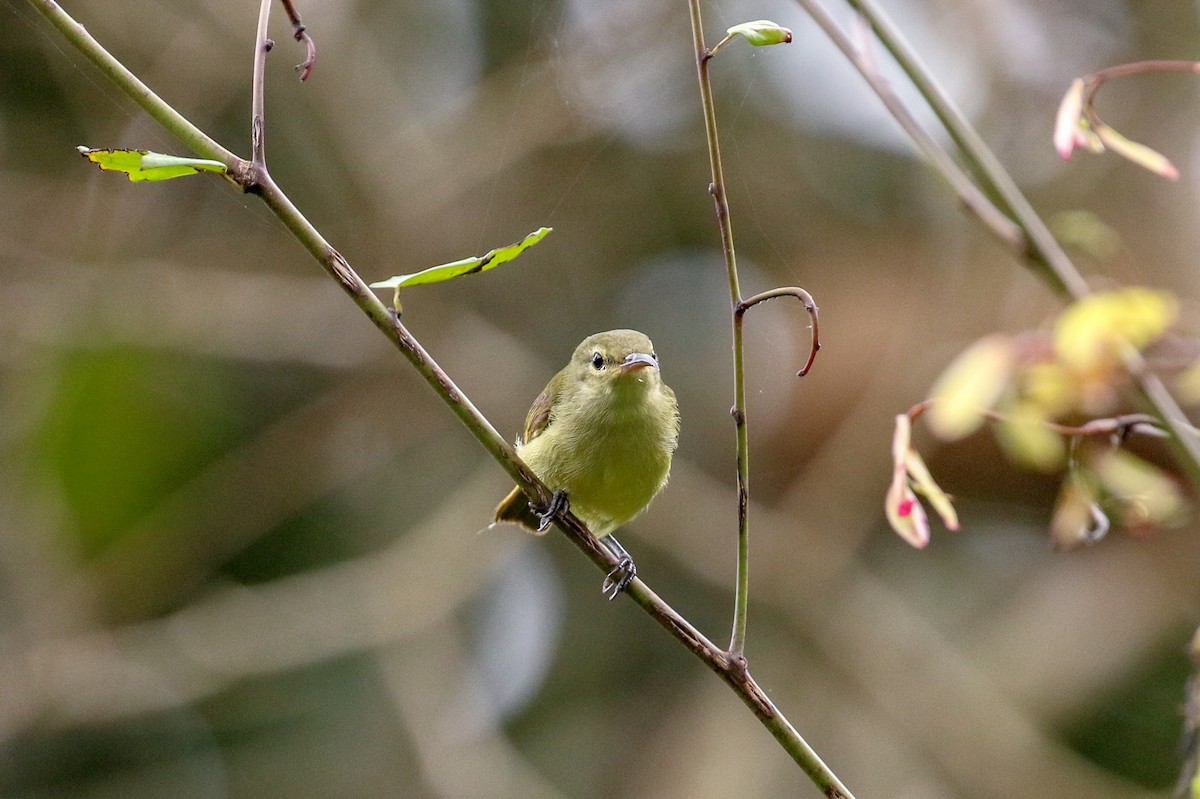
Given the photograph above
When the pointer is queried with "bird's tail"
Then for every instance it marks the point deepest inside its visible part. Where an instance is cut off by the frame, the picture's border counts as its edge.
(515, 509)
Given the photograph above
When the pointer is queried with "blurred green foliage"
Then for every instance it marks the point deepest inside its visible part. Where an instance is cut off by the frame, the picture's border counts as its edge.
(125, 427)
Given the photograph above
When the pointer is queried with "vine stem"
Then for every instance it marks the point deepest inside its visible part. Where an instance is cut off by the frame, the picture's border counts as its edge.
(732, 670)
(1093, 82)
(737, 642)
(1098, 78)
(810, 305)
(258, 89)
(299, 33)
(787, 735)
(1122, 426)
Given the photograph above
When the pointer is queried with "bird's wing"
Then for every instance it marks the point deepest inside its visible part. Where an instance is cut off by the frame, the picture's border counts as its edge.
(674, 404)
(515, 507)
(538, 418)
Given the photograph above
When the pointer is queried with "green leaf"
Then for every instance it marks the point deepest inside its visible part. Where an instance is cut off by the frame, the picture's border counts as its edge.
(762, 32)
(1139, 154)
(145, 165)
(467, 266)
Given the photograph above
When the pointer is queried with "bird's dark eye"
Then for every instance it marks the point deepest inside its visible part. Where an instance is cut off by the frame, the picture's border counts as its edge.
(597, 361)
(654, 355)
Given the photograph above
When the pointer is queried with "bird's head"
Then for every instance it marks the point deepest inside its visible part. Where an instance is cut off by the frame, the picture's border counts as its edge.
(620, 360)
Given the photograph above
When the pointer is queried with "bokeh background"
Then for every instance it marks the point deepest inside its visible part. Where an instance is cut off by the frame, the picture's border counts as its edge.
(241, 544)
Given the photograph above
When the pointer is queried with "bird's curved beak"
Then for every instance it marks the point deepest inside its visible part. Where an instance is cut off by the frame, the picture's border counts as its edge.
(638, 360)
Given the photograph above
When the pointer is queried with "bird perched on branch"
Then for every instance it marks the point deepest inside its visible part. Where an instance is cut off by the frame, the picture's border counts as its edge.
(600, 436)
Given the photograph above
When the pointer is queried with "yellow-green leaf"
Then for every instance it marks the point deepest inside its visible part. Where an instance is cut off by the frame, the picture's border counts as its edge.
(145, 165)
(762, 32)
(1024, 436)
(467, 266)
(1139, 154)
(1187, 384)
(1150, 497)
(1090, 333)
(1078, 519)
(924, 484)
(1087, 232)
(970, 386)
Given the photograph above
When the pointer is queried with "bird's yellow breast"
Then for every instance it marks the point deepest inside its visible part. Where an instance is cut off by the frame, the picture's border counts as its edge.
(611, 463)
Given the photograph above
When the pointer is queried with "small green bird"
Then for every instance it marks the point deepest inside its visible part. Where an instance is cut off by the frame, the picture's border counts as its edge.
(600, 436)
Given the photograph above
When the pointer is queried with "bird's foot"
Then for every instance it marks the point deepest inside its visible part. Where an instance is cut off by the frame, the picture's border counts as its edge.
(620, 577)
(558, 504)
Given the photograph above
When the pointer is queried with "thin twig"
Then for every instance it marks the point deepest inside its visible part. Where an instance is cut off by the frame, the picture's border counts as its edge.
(1101, 76)
(939, 159)
(300, 34)
(1122, 426)
(810, 305)
(262, 45)
(737, 642)
(712, 51)
(736, 672)
(179, 126)
(1095, 80)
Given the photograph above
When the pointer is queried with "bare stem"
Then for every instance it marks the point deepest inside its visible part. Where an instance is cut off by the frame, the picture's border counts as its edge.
(934, 153)
(1102, 76)
(1122, 426)
(810, 305)
(712, 51)
(258, 133)
(1095, 80)
(735, 671)
(300, 34)
(737, 642)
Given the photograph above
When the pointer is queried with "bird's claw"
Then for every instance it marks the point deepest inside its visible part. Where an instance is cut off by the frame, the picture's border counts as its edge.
(619, 578)
(558, 504)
